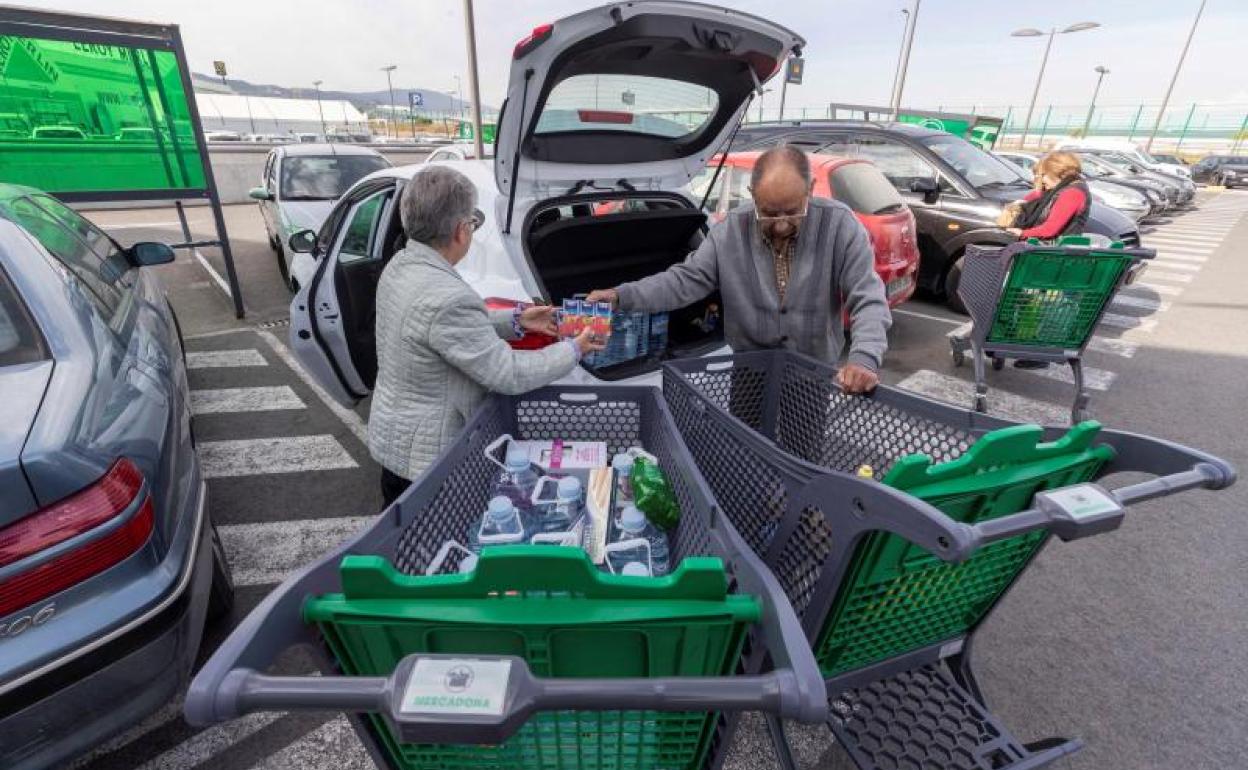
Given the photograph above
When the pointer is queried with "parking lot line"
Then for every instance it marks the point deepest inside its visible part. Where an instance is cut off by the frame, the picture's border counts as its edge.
(265, 553)
(1119, 321)
(1160, 275)
(290, 454)
(348, 417)
(1182, 256)
(952, 390)
(928, 316)
(1159, 288)
(332, 746)
(1142, 303)
(209, 359)
(1093, 378)
(257, 399)
(1171, 264)
(201, 747)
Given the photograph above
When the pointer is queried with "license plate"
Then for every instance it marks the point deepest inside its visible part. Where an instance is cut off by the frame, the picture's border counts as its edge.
(898, 285)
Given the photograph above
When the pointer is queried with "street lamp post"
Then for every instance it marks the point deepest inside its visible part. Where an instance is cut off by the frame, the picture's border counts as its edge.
(459, 96)
(1174, 78)
(1101, 72)
(900, 84)
(905, 29)
(388, 69)
(319, 109)
(474, 82)
(1031, 32)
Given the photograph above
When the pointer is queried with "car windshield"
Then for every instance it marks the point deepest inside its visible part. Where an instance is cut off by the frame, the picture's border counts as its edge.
(976, 166)
(626, 103)
(325, 177)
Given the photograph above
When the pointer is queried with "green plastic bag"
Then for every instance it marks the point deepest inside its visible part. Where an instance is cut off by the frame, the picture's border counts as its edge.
(653, 495)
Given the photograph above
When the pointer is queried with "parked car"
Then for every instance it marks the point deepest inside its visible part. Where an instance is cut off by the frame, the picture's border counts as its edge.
(1173, 160)
(1131, 202)
(458, 152)
(109, 564)
(298, 187)
(222, 136)
(1135, 152)
(540, 238)
(1184, 188)
(1226, 170)
(1162, 197)
(856, 183)
(955, 189)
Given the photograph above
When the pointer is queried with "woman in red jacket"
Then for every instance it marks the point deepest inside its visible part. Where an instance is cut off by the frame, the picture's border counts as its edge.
(1059, 204)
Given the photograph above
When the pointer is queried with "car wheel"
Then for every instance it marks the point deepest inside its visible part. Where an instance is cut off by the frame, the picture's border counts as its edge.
(952, 279)
(282, 267)
(221, 595)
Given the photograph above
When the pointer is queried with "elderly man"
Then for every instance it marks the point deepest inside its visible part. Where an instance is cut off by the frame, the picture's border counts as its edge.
(785, 267)
(439, 350)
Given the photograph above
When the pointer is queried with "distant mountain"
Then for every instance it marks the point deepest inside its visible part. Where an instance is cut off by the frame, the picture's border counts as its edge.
(434, 100)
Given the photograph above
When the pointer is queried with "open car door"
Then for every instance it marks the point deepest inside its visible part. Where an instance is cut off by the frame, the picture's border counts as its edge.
(331, 317)
(635, 95)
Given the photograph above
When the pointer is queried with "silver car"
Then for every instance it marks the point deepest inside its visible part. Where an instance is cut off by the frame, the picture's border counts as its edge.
(109, 564)
(298, 188)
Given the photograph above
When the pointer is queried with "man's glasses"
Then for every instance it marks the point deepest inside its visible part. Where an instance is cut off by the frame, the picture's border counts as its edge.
(790, 218)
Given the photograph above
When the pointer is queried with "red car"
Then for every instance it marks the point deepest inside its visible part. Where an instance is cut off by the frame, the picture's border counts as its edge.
(855, 182)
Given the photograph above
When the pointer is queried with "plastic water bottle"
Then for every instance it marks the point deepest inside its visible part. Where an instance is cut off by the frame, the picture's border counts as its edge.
(517, 480)
(658, 332)
(467, 564)
(630, 340)
(622, 464)
(500, 525)
(637, 540)
(563, 512)
(633, 569)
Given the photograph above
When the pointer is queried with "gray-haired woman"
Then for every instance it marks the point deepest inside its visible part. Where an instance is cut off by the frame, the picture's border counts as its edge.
(439, 350)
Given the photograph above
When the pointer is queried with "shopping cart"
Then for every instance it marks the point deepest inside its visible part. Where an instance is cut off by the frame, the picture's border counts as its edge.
(1039, 302)
(572, 668)
(893, 585)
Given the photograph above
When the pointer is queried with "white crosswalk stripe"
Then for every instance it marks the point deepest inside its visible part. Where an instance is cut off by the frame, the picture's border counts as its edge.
(202, 746)
(952, 390)
(267, 552)
(332, 746)
(1174, 264)
(1162, 275)
(1120, 321)
(1107, 345)
(1159, 288)
(1122, 300)
(260, 399)
(291, 454)
(1093, 378)
(1182, 256)
(209, 359)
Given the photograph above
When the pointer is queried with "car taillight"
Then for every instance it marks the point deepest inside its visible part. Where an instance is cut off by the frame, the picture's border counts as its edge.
(535, 38)
(79, 513)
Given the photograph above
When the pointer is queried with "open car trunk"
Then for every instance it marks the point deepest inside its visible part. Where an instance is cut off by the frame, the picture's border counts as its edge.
(591, 242)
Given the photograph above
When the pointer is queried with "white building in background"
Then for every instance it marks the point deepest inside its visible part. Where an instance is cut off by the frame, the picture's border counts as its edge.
(275, 115)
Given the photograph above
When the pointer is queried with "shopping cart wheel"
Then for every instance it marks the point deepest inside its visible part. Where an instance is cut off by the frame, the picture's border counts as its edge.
(998, 363)
(959, 358)
(981, 404)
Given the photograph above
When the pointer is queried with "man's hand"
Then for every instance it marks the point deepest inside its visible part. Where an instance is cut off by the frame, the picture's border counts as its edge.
(853, 378)
(588, 342)
(604, 295)
(539, 318)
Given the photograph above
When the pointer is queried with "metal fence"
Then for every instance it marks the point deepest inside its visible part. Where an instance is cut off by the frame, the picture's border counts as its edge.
(1187, 128)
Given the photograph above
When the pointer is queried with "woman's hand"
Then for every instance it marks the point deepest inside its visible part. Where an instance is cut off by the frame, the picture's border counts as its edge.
(588, 342)
(539, 318)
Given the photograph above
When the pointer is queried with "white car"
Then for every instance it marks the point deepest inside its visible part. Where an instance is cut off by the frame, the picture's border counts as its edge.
(585, 190)
(1132, 150)
(298, 188)
(458, 152)
(1130, 202)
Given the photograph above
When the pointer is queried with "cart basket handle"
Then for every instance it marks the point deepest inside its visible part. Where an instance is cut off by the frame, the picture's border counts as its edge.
(486, 699)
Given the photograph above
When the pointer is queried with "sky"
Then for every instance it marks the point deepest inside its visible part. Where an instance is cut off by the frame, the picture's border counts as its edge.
(963, 53)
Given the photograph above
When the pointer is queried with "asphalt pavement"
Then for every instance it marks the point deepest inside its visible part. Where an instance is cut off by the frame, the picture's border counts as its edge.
(1132, 641)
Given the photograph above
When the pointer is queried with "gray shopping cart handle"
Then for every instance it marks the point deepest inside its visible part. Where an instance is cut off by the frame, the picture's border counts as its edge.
(1083, 510)
(486, 699)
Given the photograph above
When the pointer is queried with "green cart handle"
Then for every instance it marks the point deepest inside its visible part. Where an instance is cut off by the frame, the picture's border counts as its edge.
(486, 699)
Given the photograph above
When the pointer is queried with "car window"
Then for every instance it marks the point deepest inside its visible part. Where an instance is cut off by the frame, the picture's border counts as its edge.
(864, 189)
(113, 261)
(441, 155)
(325, 177)
(737, 189)
(634, 104)
(20, 342)
(699, 184)
(361, 231)
(980, 169)
(70, 251)
(900, 164)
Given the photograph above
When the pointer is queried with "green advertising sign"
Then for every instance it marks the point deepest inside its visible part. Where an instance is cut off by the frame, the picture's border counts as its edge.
(980, 131)
(948, 125)
(87, 117)
(488, 131)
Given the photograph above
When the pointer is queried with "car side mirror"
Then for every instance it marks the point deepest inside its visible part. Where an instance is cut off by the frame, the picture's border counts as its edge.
(259, 194)
(148, 253)
(928, 187)
(302, 242)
